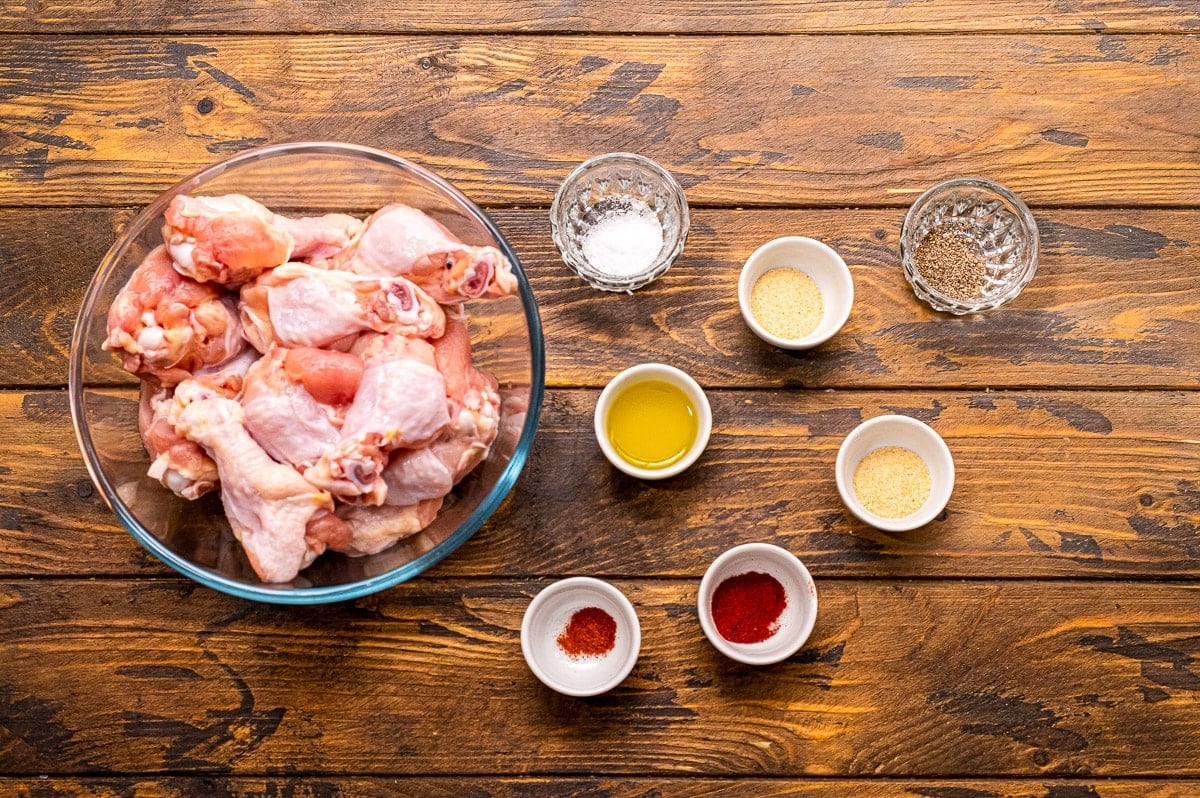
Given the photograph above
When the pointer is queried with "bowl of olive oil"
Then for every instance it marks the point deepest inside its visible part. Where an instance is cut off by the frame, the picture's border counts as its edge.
(652, 421)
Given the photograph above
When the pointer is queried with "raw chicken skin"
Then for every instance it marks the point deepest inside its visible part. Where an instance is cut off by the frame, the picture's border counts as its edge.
(413, 475)
(228, 240)
(301, 305)
(373, 529)
(227, 378)
(399, 240)
(401, 402)
(331, 377)
(231, 239)
(167, 326)
(284, 416)
(282, 521)
(319, 237)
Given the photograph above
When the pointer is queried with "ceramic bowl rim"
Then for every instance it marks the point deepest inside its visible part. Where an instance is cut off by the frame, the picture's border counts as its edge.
(845, 480)
(677, 377)
(844, 296)
(742, 652)
(596, 586)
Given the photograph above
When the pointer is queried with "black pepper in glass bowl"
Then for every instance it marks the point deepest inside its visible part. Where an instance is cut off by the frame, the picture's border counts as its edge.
(968, 245)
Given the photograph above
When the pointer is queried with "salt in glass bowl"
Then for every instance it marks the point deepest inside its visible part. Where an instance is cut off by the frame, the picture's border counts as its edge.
(995, 218)
(193, 537)
(548, 615)
(908, 433)
(799, 614)
(592, 190)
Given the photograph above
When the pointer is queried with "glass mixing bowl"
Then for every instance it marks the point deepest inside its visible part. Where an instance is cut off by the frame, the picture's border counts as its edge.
(193, 536)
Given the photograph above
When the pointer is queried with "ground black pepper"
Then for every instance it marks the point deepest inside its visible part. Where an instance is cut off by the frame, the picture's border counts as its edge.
(951, 262)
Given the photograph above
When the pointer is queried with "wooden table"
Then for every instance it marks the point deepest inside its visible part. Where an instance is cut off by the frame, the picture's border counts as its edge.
(1042, 638)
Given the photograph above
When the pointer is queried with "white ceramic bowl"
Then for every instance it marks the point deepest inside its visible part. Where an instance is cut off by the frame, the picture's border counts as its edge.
(546, 618)
(653, 371)
(820, 262)
(913, 435)
(799, 613)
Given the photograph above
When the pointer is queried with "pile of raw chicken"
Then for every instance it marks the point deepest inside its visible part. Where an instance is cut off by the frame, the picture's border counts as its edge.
(318, 370)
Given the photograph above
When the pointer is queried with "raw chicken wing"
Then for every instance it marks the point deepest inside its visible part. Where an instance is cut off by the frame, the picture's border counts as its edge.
(319, 237)
(284, 416)
(373, 529)
(167, 326)
(282, 521)
(400, 240)
(301, 305)
(317, 371)
(413, 475)
(182, 466)
(231, 239)
(227, 239)
(401, 402)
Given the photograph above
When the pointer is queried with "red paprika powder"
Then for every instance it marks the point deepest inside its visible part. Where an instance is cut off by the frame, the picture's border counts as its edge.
(746, 607)
(591, 632)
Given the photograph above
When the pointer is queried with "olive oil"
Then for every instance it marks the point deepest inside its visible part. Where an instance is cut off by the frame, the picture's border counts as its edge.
(652, 424)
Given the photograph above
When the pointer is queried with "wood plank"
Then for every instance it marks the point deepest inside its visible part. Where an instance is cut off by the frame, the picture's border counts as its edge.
(633, 787)
(593, 16)
(779, 120)
(1114, 304)
(1070, 484)
(1058, 679)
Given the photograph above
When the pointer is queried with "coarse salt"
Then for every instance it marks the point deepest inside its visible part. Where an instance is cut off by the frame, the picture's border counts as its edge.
(625, 240)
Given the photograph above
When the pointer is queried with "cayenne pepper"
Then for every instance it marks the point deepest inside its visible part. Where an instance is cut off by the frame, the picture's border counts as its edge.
(746, 607)
(591, 632)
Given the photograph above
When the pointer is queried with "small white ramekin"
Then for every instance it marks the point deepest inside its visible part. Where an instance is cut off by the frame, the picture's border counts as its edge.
(546, 618)
(799, 613)
(820, 262)
(653, 371)
(916, 436)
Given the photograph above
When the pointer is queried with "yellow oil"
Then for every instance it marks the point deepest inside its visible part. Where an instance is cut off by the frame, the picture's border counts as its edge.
(652, 424)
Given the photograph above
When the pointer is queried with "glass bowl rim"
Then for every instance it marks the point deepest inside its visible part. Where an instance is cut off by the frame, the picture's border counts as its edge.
(602, 280)
(1023, 214)
(328, 593)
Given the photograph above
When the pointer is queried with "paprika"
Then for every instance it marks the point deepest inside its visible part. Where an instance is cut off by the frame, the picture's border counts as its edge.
(591, 632)
(746, 607)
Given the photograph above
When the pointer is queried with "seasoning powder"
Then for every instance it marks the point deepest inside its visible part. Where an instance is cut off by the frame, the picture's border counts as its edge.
(951, 262)
(591, 632)
(746, 607)
(625, 240)
(892, 482)
(787, 303)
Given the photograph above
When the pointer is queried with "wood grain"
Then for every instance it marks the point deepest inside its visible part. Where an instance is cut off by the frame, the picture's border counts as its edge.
(1114, 303)
(594, 16)
(631, 787)
(1058, 679)
(777, 120)
(1070, 484)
